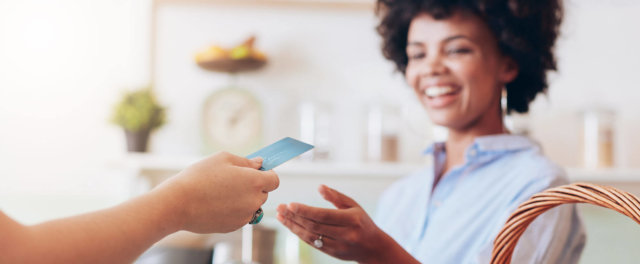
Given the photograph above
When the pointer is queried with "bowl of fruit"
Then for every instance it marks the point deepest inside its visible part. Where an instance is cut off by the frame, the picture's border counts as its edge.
(241, 58)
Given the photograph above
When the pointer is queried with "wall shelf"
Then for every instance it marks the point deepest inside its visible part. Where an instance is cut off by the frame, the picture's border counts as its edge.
(608, 175)
(169, 164)
(299, 179)
(151, 162)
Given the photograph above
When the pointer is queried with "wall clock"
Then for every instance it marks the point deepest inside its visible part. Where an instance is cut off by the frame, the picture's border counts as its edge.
(232, 121)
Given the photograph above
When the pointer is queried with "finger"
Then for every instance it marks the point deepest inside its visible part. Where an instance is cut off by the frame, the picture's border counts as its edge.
(264, 198)
(270, 181)
(338, 199)
(310, 225)
(322, 215)
(255, 163)
(267, 181)
(329, 244)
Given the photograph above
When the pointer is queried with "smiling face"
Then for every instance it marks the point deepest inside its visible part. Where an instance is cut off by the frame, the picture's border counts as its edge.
(457, 71)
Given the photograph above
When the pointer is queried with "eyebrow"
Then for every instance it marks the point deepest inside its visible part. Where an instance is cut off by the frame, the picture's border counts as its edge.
(417, 43)
(456, 37)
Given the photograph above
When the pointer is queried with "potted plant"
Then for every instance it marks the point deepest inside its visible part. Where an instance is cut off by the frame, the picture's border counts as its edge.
(138, 113)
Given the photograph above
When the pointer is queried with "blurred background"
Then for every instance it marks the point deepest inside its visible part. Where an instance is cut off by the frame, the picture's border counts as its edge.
(74, 75)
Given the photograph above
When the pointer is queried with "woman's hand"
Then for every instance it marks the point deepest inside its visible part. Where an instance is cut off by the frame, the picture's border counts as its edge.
(218, 194)
(348, 233)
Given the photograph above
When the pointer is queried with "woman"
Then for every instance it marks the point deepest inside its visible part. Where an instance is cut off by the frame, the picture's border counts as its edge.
(459, 57)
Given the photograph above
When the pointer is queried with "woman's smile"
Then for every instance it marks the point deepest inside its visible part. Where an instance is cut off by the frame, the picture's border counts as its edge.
(441, 95)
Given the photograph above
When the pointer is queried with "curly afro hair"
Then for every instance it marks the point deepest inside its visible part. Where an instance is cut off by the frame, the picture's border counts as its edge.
(525, 30)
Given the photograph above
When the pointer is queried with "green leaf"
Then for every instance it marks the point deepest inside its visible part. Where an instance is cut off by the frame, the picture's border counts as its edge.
(139, 110)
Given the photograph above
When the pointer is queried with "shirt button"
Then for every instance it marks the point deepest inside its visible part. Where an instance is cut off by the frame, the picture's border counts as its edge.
(472, 152)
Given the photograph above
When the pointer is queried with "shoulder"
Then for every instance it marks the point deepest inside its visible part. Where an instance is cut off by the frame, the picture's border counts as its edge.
(519, 158)
(533, 166)
(524, 171)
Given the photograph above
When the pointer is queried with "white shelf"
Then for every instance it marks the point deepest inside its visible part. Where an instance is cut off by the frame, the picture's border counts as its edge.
(143, 161)
(332, 169)
(609, 175)
(159, 163)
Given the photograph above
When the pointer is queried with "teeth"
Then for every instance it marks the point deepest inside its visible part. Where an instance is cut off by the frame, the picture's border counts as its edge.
(438, 91)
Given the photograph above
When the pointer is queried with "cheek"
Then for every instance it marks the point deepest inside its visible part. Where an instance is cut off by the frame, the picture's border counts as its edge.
(468, 71)
(476, 77)
(411, 75)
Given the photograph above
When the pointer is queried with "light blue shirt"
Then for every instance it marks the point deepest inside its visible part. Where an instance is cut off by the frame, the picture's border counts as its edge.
(457, 221)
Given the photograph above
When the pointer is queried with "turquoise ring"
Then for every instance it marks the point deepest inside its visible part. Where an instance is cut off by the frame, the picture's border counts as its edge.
(257, 217)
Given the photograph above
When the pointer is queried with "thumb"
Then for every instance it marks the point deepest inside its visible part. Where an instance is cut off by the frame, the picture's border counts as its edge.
(338, 199)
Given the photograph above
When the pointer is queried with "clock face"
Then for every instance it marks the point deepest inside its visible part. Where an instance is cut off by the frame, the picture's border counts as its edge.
(232, 121)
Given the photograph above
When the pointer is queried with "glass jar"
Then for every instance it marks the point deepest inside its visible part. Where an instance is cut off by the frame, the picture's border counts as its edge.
(598, 138)
(315, 128)
(382, 134)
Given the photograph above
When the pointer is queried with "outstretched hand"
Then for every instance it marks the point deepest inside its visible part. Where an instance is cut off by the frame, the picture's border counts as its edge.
(348, 233)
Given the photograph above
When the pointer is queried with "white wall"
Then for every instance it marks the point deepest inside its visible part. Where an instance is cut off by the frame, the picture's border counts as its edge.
(324, 55)
(599, 61)
(63, 64)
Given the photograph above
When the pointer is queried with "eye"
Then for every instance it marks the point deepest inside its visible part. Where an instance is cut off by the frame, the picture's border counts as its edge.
(416, 55)
(458, 51)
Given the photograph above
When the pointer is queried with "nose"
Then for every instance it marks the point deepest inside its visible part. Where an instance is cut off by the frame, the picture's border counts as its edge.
(433, 66)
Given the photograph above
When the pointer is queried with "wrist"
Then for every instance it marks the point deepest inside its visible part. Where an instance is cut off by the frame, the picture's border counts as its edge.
(171, 210)
(389, 251)
(381, 247)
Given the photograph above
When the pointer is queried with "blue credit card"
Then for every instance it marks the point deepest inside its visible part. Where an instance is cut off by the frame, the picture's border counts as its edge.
(280, 152)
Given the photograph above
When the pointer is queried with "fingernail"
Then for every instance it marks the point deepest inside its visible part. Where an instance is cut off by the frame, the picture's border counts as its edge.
(323, 190)
(257, 159)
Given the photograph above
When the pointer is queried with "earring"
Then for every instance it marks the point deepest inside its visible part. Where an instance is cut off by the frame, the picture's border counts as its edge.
(506, 121)
(503, 101)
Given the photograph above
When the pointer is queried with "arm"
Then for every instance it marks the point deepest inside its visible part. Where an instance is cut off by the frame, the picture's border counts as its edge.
(348, 232)
(218, 194)
(115, 235)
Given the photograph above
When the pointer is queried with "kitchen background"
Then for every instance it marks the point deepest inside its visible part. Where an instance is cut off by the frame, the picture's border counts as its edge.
(64, 64)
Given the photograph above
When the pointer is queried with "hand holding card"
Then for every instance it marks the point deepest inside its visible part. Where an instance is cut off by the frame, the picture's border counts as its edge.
(274, 155)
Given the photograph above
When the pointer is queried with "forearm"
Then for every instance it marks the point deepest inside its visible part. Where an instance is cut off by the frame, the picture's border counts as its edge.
(115, 235)
(391, 252)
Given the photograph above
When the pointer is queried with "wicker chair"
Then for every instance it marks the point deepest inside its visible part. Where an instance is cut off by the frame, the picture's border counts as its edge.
(604, 196)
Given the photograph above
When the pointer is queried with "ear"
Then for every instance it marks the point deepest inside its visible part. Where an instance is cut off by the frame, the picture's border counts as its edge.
(509, 70)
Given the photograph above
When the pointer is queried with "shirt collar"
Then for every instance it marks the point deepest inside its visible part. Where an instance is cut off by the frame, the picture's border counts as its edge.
(504, 142)
(436, 146)
(492, 143)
